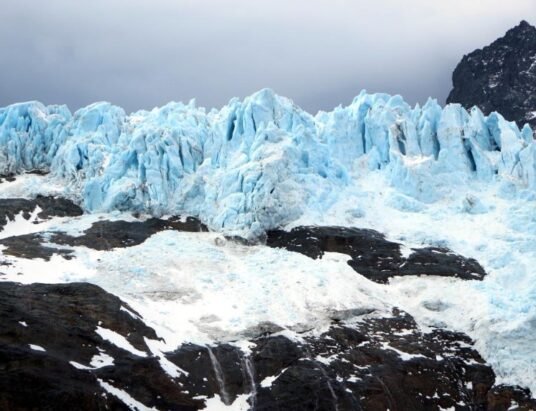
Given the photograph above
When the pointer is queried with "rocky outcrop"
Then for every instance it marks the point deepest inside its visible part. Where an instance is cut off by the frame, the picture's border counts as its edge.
(48, 207)
(102, 235)
(500, 77)
(74, 346)
(374, 257)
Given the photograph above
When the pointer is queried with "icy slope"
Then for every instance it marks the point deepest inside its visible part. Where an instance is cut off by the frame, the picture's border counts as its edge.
(262, 162)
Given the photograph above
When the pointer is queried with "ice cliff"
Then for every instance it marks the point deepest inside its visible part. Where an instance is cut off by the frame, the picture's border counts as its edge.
(262, 162)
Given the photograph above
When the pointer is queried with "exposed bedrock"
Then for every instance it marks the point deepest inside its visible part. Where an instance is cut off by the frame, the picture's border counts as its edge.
(70, 346)
(47, 207)
(102, 235)
(373, 256)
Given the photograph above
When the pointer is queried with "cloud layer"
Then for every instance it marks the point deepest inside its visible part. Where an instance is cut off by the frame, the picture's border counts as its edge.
(140, 53)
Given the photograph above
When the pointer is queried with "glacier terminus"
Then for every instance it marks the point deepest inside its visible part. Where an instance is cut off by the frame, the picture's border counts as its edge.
(436, 181)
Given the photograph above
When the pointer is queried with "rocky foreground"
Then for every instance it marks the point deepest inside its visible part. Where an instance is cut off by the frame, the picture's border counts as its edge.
(76, 346)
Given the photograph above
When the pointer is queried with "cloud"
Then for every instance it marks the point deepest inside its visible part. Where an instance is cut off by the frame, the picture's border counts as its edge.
(140, 53)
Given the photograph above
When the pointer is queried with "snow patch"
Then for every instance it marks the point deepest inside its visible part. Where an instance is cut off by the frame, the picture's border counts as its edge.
(216, 404)
(119, 341)
(124, 397)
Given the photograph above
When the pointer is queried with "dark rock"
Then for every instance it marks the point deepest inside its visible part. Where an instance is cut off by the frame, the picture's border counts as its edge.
(372, 255)
(7, 178)
(500, 77)
(10, 177)
(441, 262)
(102, 235)
(31, 246)
(50, 207)
(62, 319)
(370, 364)
(379, 364)
(106, 235)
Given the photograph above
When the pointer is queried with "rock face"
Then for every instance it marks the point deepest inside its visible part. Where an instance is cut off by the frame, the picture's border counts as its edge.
(500, 77)
(373, 256)
(74, 346)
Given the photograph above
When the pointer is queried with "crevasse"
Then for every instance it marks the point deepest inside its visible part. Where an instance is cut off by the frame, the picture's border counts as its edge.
(261, 162)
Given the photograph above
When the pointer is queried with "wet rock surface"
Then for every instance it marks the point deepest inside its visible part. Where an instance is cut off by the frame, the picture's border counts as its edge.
(500, 77)
(372, 255)
(49, 341)
(102, 235)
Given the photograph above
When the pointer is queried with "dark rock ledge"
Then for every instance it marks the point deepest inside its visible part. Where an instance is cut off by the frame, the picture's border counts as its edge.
(50, 207)
(102, 235)
(371, 255)
(374, 257)
(364, 363)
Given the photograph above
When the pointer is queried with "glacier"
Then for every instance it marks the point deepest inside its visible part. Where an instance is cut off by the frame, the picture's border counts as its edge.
(432, 175)
(262, 162)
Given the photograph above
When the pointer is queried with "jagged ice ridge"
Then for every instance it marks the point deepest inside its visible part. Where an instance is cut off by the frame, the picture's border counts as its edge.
(262, 162)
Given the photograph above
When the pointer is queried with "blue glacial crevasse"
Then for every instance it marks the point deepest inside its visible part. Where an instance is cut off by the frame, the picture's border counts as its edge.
(260, 163)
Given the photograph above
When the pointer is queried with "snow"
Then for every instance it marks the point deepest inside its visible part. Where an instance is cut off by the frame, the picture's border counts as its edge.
(268, 381)
(404, 356)
(119, 341)
(98, 361)
(79, 366)
(36, 347)
(216, 404)
(222, 290)
(101, 360)
(20, 226)
(136, 317)
(157, 348)
(124, 397)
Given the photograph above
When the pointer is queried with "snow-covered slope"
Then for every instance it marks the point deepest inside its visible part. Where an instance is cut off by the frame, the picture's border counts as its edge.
(263, 162)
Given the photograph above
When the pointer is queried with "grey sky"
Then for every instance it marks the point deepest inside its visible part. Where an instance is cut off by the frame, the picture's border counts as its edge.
(320, 53)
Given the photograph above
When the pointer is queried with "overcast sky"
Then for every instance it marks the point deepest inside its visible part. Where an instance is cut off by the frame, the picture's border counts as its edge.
(321, 53)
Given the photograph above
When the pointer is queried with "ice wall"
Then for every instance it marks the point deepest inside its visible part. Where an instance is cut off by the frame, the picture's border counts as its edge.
(260, 163)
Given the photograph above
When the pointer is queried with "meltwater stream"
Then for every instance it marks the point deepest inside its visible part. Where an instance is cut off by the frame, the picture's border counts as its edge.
(220, 378)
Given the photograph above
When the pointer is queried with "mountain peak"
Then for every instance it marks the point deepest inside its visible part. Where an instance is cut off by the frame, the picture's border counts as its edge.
(524, 24)
(522, 30)
(501, 76)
